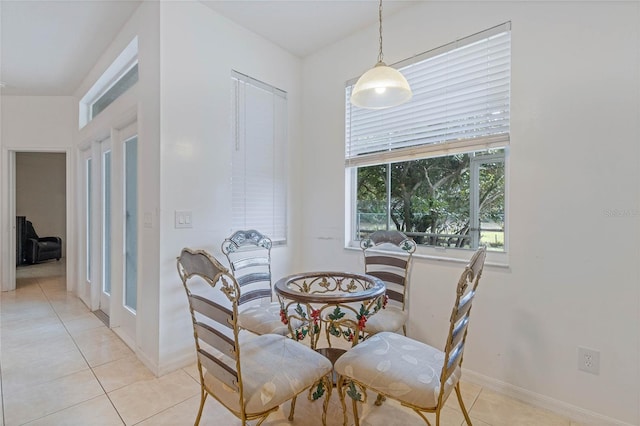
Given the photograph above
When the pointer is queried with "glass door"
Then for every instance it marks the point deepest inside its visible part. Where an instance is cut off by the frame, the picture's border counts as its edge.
(88, 215)
(105, 293)
(86, 208)
(131, 223)
(121, 232)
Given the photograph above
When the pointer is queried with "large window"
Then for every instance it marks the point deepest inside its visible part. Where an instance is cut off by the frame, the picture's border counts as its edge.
(434, 167)
(259, 158)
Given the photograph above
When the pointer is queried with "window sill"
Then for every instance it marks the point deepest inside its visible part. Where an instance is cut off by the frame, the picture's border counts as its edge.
(450, 255)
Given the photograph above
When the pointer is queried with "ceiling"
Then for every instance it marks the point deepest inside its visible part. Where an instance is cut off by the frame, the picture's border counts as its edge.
(47, 47)
(305, 26)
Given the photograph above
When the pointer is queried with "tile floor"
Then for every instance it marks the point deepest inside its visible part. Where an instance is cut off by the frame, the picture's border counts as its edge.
(60, 365)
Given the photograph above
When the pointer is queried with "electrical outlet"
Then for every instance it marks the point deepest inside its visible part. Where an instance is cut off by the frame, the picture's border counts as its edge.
(589, 360)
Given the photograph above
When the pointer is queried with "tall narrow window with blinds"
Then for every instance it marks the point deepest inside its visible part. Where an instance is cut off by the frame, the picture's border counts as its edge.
(434, 167)
(258, 180)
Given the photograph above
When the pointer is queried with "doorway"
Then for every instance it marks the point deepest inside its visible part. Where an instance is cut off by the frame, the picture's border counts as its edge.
(37, 189)
(96, 223)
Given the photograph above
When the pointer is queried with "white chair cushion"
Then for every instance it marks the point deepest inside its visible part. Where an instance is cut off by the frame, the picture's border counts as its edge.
(263, 319)
(398, 366)
(390, 318)
(274, 369)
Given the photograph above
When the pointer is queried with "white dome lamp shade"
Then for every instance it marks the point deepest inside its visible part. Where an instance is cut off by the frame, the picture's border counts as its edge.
(382, 86)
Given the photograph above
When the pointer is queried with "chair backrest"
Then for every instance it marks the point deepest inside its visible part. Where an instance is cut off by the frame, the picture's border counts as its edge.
(30, 231)
(214, 313)
(249, 256)
(465, 293)
(391, 267)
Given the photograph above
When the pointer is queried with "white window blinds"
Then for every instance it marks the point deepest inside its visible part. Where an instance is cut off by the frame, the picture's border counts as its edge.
(460, 99)
(259, 157)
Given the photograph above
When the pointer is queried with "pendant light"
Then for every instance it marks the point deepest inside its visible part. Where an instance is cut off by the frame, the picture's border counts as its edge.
(381, 86)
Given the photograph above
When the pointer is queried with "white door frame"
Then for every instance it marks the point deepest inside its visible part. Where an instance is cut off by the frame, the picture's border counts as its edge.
(8, 214)
(105, 298)
(121, 318)
(84, 289)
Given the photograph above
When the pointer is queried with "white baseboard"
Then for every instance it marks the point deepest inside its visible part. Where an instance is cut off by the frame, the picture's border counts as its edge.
(148, 362)
(572, 412)
(181, 361)
(185, 359)
(124, 337)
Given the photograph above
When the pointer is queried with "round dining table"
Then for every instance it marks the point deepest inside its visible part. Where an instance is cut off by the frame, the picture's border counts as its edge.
(332, 304)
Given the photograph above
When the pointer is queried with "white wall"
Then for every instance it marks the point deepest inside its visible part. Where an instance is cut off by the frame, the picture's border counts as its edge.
(142, 105)
(199, 50)
(574, 164)
(37, 122)
(41, 179)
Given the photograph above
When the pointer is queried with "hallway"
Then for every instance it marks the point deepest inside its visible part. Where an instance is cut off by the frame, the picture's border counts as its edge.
(60, 365)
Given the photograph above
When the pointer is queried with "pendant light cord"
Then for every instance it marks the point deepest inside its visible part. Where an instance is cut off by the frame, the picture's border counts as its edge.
(380, 55)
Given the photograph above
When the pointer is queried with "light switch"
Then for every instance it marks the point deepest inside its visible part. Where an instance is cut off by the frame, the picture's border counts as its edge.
(183, 219)
(148, 220)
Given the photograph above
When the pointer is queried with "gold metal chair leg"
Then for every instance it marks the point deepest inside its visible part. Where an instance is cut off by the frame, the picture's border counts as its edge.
(293, 408)
(421, 414)
(328, 383)
(355, 413)
(203, 397)
(341, 395)
(464, 409)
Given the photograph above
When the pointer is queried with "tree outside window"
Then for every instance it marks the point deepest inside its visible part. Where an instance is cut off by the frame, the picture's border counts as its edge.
(432, 199)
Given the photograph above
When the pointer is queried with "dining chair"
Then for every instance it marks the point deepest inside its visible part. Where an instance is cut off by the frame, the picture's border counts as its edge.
(417, 375)
(392, 266)
(251, 375)
(249, 255)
